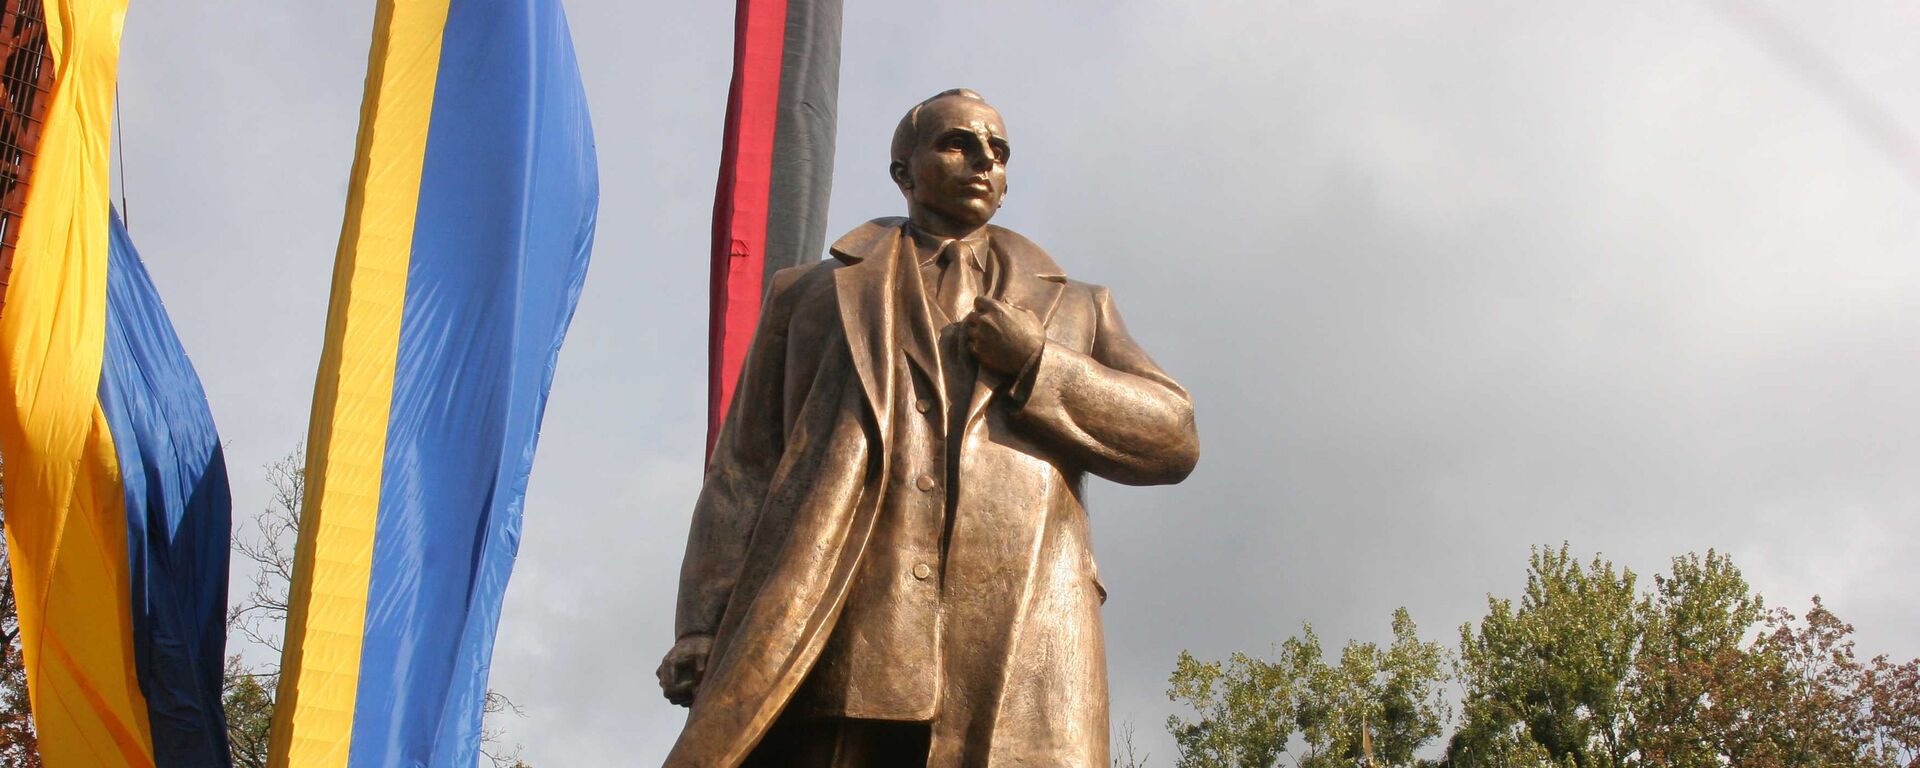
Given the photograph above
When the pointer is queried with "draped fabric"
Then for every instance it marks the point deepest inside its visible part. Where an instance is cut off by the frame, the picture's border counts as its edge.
(173, 477)
(469, 220)
(776, 171)
(117, 506)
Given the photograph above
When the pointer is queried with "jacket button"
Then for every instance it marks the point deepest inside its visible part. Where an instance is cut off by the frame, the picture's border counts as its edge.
(925, 483)
(921, 571)
(923, 405)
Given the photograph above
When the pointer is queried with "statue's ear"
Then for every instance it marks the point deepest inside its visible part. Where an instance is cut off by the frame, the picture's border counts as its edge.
(898, 170)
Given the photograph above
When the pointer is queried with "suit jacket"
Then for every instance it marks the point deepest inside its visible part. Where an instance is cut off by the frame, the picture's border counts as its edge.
(821, 443)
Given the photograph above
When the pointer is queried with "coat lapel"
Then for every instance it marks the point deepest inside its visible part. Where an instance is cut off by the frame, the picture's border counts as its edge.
(1028, 278)
(865, 292)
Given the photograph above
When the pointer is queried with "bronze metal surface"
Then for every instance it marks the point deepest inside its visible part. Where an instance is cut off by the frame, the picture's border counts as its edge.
(892, 528)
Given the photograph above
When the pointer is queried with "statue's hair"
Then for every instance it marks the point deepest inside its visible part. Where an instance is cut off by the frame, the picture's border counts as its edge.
(909, 127)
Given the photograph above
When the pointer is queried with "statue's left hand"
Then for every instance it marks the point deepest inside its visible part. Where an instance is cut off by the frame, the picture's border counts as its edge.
(681, 670)
(1003, 337)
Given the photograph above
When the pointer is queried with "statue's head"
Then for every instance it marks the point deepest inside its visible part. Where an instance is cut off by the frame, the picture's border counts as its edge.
(950, 160)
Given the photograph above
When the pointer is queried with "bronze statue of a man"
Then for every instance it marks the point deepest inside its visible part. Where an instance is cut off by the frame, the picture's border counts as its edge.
(889, 563)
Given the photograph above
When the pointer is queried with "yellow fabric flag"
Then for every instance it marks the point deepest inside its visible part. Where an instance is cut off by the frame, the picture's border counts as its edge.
(65, 509)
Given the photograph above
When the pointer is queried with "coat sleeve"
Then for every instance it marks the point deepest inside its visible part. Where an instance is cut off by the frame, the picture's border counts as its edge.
(745, 456)
(1110, 410)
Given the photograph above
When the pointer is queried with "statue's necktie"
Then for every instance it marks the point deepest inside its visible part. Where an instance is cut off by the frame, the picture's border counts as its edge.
(959, 280)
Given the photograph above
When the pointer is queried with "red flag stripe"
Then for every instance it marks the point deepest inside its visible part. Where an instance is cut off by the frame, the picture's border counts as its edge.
(740, 203)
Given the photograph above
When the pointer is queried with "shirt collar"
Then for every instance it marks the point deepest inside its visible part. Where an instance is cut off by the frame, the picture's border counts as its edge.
(929, 245)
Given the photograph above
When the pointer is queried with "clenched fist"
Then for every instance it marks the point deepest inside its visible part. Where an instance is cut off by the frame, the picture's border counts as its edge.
(1003, 337)
(681, 670)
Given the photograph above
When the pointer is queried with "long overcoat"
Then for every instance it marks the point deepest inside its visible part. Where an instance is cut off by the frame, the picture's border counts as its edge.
(805, 464)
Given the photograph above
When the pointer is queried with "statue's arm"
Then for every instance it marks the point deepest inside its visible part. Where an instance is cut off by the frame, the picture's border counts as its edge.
(1111, 410)
(745, 456)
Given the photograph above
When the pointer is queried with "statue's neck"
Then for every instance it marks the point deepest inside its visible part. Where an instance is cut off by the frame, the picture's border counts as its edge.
(942, 227)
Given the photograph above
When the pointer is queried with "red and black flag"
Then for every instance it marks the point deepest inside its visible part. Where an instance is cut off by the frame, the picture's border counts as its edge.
(776, 171)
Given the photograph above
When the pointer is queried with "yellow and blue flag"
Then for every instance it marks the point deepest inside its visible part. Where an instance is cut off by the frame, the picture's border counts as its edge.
(470, 215)
(116, 498)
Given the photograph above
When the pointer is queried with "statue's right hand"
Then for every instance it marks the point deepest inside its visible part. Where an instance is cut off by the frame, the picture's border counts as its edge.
(681, 670)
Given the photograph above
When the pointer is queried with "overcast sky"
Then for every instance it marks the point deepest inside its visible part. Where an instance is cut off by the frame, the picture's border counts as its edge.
(1446, 280)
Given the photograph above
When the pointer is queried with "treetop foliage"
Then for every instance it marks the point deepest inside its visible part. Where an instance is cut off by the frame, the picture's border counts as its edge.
(1252, 709)
(1583, 670)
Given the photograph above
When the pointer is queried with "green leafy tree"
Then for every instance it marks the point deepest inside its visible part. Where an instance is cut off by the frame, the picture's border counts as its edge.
(1246, 706)
(1699, 696)
(249, 707)
(1582, 671)
(1546, 677)
(1696, 673)
(1393, 694)
(1251, 710)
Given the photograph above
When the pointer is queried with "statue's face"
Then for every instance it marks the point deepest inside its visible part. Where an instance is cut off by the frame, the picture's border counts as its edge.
(957, 171)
